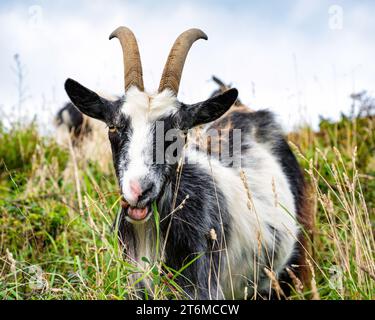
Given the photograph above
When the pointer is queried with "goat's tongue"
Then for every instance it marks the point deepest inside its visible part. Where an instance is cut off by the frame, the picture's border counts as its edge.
(137, 214)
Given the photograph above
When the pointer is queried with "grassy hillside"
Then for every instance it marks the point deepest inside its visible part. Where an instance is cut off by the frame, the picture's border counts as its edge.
(56, 214)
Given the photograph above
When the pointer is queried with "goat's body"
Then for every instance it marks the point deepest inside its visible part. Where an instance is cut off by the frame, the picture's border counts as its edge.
(241, 225)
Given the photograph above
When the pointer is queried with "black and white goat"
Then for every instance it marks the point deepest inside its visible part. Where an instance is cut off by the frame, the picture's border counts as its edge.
(243, 220)
(71, 120)
(85, 136)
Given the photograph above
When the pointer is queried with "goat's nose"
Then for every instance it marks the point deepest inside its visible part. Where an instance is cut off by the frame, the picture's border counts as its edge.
(135, 188)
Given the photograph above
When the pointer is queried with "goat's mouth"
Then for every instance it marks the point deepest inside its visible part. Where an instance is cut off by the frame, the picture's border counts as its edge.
(135, 214)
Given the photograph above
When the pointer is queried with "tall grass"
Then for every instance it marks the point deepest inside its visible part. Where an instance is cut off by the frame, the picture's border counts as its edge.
(339, 164)
(58, 240)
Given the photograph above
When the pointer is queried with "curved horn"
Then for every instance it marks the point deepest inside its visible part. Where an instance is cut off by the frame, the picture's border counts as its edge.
(173, 68)
(132, 60)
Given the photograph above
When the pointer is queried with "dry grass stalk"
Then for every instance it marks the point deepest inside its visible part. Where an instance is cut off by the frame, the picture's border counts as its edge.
(296, 281)
(275, 283)
(314, 288)
(76, 176)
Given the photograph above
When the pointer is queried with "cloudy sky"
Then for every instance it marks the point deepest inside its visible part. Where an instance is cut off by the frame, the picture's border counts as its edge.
(299, 58)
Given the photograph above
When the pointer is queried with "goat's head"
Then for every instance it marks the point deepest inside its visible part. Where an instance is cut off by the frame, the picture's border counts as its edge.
(134, 121)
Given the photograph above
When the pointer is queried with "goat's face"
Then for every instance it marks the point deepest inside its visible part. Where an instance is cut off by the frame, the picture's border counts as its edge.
(140, 128)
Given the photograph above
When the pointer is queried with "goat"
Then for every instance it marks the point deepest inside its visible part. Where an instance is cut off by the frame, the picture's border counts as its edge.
(69, 120)
(242, 220)
(86, 136)
(222, 88)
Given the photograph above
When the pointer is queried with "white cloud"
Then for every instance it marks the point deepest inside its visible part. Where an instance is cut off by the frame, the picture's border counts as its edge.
(283, 64)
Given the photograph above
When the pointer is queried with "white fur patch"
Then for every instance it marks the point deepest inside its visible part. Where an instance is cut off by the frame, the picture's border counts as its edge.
(67, 120)
(145, 239)
(149, 107)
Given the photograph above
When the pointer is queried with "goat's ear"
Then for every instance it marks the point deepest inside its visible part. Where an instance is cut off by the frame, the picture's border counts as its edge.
(190, 116)
(87, 101)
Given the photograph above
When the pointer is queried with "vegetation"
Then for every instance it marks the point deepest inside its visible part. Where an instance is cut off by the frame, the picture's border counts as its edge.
(56, 219)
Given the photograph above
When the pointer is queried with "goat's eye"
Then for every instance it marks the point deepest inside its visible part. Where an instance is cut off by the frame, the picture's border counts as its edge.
(112, 129)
